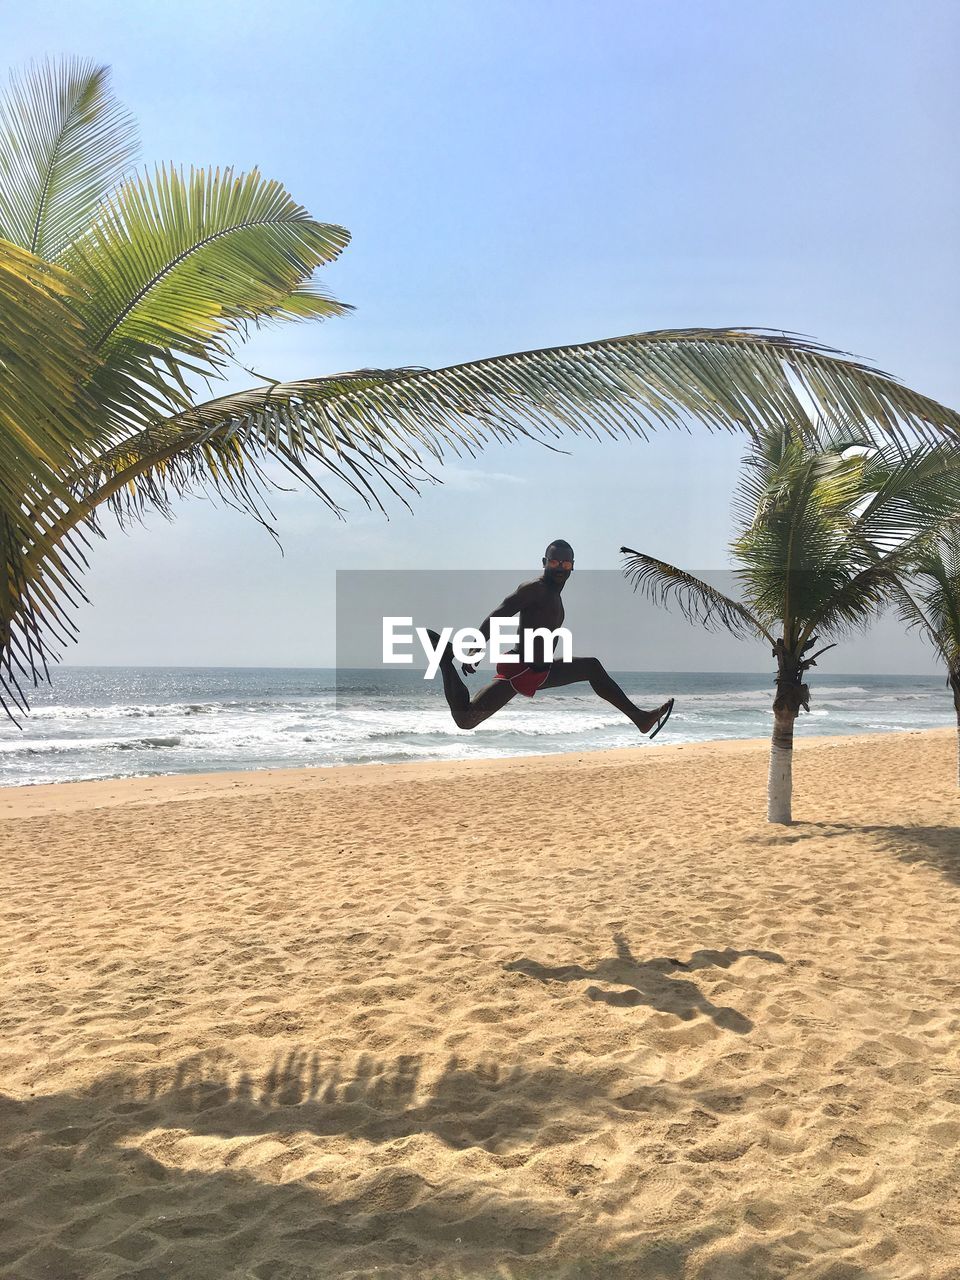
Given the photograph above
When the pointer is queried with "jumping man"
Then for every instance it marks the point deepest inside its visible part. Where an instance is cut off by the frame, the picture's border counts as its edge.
(539, 604)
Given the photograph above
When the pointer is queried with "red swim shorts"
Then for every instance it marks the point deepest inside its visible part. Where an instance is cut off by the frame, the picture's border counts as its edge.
(522, 677)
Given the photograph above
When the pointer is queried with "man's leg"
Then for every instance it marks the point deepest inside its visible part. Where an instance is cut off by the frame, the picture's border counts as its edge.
(592, 671)
(469, 712)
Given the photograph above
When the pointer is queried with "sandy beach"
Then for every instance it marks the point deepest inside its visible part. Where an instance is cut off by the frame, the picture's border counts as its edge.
(569, 1016)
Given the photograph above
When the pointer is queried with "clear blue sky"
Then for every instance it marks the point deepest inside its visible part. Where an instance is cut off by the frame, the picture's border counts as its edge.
(518, 175)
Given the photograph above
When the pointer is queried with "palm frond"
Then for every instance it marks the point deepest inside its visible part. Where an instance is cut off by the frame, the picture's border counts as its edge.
(863, 591)
(45, 362)
(46, 420)
(795, 505)
(65, 142)
(908, 487)
(371, 426)
(616, 387)
(913, 617)
(38, 593)
(697, 600)
(222, 448)
(632, 385)
(851, 603)
(929, 592)
(176, 268)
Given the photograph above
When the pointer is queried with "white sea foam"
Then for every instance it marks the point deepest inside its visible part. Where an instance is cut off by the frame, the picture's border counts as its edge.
(101, 723)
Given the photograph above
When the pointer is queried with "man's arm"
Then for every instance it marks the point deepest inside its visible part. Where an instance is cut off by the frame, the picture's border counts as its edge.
(514, 603)
(508, 608)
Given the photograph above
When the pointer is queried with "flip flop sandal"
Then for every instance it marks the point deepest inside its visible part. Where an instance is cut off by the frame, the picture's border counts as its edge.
(663, 721)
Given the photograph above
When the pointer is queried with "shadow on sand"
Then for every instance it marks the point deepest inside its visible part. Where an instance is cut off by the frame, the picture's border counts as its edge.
(121, 1179)
(939, 847)
(652, 982)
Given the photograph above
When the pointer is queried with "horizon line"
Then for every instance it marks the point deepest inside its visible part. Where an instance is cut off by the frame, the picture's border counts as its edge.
(654, 671)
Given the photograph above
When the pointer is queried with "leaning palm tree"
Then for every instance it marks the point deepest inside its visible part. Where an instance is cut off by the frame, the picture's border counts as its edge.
(928, 598)
(826, 522)
(122, 292)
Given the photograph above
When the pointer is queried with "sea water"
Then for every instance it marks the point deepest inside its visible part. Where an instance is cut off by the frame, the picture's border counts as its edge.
(110, 722)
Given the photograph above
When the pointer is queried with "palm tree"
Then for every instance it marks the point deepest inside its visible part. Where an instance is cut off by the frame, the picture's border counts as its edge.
(123, 291)
(928, 598)
(825, 524)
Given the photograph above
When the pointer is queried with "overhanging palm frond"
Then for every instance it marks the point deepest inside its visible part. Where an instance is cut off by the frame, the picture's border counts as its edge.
(631, 385)
(222, 447)
(65, 142)
(371, 428)
(721, 379)
(697, 600)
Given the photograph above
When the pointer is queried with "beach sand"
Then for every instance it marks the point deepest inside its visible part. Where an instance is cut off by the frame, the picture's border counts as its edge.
(569, 1016)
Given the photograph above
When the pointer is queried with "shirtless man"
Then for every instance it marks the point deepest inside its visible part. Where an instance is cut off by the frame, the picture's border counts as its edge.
(539, 604)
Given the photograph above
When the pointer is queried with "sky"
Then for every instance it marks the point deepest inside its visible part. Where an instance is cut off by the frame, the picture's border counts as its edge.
(517, 175)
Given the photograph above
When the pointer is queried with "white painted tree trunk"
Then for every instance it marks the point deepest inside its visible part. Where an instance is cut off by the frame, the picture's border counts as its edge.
(780, 778)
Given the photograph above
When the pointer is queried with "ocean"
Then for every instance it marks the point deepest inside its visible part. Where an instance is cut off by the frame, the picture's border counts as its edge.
(114, 722)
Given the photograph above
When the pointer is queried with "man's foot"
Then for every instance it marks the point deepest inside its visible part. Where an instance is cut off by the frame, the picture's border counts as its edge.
(446, 658)
(659, 718)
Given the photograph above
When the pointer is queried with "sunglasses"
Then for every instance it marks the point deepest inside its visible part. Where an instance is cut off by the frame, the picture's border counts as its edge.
(559, 564)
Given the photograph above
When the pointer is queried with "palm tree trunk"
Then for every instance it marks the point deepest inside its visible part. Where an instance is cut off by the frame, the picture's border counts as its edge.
(780, 778)
(792, 694)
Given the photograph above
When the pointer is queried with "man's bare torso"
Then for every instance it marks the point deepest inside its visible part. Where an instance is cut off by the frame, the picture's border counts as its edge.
(541, 605)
